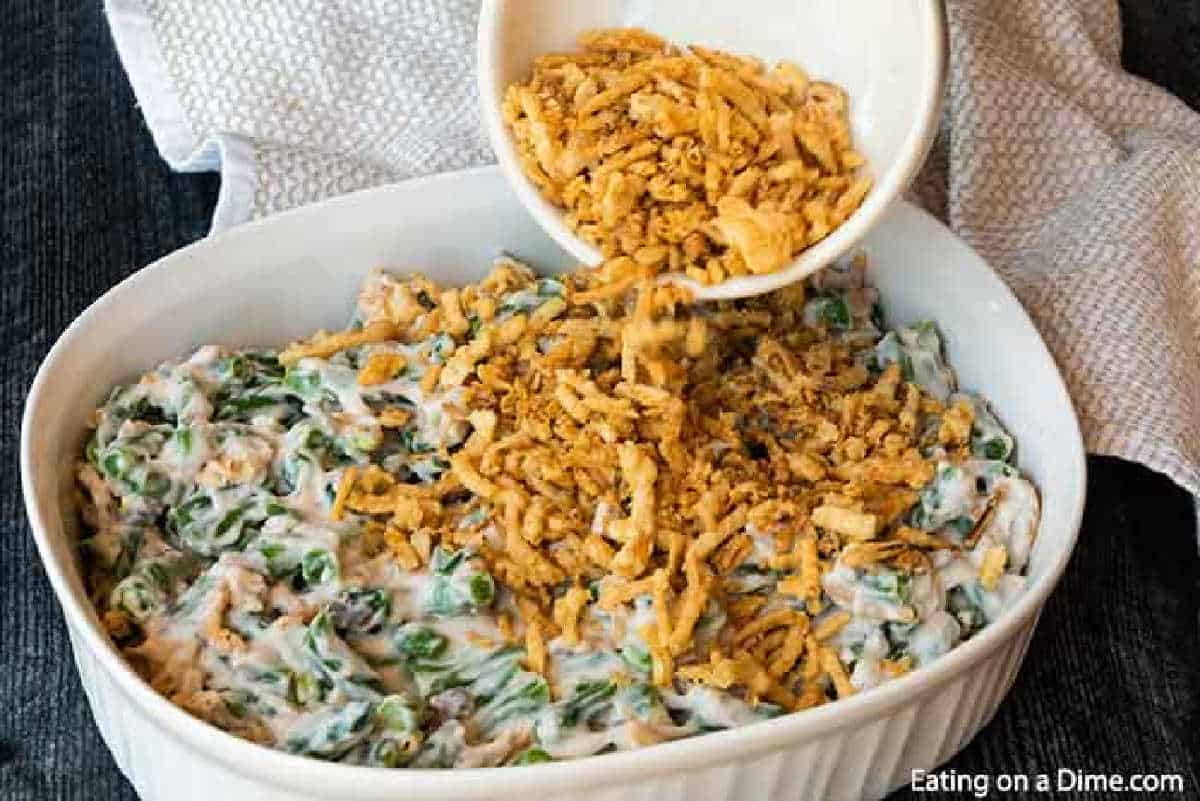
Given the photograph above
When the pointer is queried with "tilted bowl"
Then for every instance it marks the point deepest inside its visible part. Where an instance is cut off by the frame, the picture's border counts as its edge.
(888, 56)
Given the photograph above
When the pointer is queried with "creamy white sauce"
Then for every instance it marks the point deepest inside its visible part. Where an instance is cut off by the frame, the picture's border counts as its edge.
(209, 490)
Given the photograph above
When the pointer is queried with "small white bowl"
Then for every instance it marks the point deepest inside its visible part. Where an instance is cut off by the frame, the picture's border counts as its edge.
(269, 282)
(889, 56)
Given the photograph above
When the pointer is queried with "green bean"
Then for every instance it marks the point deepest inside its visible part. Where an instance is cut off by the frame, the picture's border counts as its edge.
(329, 735)
(139, 596)
(835, 313)
(151, 584)
(418, 642)
(317, 567)
(888, 585)
(532, 756)
(458, 586)
(361, 609)
(643, 702)
(333, 660)
(966, 609)
(522, 695)
(440, 348)
(398, 714)
(636, 657)
(208, 523)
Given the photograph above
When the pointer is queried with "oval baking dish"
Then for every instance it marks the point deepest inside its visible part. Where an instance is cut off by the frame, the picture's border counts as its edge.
(269, 282)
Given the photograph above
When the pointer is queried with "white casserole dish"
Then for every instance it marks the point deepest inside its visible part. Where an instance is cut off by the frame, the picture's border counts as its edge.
(275, 280)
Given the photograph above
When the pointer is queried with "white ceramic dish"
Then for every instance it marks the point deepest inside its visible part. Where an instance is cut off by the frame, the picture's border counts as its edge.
(889, 56)
(270, 281)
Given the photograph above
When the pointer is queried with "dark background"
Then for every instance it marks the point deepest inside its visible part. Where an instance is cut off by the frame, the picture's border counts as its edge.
(1112, 680)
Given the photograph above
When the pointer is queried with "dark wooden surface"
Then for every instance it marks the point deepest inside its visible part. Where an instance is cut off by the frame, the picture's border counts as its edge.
(1112, 681)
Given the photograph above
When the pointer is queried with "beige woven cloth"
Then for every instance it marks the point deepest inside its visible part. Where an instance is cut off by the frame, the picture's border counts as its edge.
(1078, 182)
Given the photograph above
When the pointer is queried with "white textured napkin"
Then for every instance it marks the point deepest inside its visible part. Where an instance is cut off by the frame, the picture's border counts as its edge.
(299, 100)
(1078, 182)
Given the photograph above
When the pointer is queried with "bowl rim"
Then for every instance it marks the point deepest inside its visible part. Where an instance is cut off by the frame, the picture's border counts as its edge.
(887, 188)
(305, 774)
